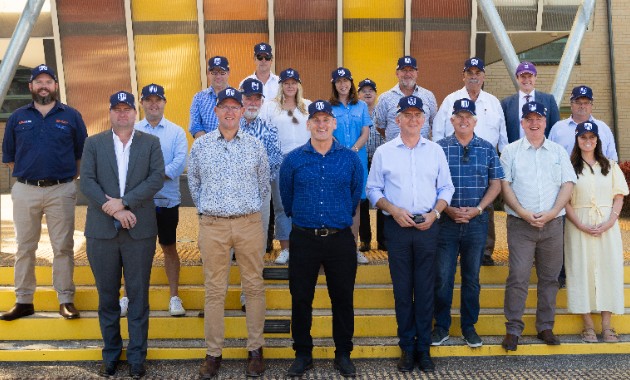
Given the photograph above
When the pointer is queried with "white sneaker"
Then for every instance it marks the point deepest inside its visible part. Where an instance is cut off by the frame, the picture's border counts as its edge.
(361, 259)
(283, 257)
(175, 307)
(124, 306)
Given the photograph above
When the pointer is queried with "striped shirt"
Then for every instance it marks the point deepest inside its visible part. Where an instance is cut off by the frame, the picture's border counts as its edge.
(267, 133)
(388, 105)
(202, 115)
(375, 139)
(536, 175)
(472, 167)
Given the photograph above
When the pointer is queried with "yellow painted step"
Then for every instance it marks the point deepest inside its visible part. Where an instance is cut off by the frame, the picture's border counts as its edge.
(379, 324)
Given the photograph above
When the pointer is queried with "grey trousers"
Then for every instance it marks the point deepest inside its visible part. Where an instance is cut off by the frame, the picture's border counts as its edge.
(542, 247)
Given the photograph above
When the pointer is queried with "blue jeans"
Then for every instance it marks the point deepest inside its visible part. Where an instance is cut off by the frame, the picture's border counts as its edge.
(283, 222)
(466, 240)
(411, 265)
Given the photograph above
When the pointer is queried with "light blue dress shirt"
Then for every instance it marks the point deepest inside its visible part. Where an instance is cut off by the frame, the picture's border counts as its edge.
(563, 133)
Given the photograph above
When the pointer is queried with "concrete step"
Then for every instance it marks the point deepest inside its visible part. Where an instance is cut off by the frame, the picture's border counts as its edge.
(277, 295)
(368, 323)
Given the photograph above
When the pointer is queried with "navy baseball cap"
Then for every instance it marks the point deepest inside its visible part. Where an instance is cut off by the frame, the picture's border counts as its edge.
(220, 62)
(407, 61)
(367, 82)
(587, 126)
(122, 97)
(319, 106)
(526, 67)
(153, 89)
(262, 48)
(464, 104)
(534, 107)
(252, 86)
(475, 62)
(341, 72)
(42, 69)
(230, 93)
(289, 74)
(582, 92)
(409, 102)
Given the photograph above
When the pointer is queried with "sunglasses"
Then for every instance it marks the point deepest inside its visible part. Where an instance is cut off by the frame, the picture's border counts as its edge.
(465, 157)
(293, 118)
(266, 57)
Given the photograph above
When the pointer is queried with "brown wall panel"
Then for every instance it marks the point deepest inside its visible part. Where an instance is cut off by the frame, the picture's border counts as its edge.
(442, 9)
(306, 10)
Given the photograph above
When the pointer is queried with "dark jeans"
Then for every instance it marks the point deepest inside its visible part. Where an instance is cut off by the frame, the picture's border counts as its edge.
(466, 240)
(412, 267)
(365, 228)
(337, 253)
(108, 258)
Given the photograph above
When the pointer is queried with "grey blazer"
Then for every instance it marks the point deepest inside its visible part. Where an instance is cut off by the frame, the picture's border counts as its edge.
(99, 176)
(512, 114)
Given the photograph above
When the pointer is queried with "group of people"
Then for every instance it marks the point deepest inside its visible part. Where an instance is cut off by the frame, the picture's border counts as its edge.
(432, 173)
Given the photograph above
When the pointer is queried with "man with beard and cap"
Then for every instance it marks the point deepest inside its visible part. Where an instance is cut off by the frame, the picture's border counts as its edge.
(43, 144)
(203, 118)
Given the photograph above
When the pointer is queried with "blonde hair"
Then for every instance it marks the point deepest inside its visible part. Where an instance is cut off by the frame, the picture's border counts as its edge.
(299, 98)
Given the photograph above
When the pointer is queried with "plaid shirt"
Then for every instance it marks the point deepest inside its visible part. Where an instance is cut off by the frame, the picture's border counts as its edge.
(202, 115)
(387, 108)
(375, 139)
(472, 167)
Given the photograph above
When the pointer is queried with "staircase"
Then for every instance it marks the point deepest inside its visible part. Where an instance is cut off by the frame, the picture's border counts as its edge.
(48, 337)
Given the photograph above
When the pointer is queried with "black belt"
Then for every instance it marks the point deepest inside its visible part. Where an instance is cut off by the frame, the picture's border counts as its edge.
(43, 182)
(319, 231)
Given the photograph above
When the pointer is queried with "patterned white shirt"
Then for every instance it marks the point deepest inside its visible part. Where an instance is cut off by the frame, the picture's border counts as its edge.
(536, 175)
(270, 89)
(388, 105)
(228, 178)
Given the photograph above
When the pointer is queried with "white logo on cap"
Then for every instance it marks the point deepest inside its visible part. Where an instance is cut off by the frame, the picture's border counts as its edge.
(122, 96)
(152, 88)
(411, 101)
(43, 68)
(588, 126)
(583, 90)
(464, 103)
(229, 92)
(319, 105)
(290, 73)
(526, 66)
(341, 72)
(217, 61)
(407, 60)
(262, 47)
(474, 62)
(532, 107)
(255, 86)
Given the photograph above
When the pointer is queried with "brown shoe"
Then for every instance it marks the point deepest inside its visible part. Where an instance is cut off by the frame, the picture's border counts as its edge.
(548, 337)
(510, 342)
(68, 311)
(210, 367)
(18, 310)
(255, 364)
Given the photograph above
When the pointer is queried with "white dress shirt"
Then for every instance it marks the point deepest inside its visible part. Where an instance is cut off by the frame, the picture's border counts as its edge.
(122, 160)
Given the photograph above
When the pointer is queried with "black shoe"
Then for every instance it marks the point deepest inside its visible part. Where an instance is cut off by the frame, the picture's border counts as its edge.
(137, 370)
(562, 282)
(108, 369)
(382, 247)
(510, 342)
(68, 311)
(300, 365)
(406, 361)
(364, 246)
(344, 365)
(487, 261)
(244, 308)
(18, 310)
(424, 362)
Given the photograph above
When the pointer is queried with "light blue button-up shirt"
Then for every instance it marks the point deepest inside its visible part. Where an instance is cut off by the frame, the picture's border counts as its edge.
(563, 133)
(414, 179)
(174, 148)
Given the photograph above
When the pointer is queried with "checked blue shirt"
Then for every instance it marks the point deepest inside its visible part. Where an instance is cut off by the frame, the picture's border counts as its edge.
(202, 115)
(267, 133)
(471, 169)
(318, 190)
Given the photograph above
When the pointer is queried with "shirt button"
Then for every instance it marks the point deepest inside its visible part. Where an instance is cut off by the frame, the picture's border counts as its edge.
(321, 203)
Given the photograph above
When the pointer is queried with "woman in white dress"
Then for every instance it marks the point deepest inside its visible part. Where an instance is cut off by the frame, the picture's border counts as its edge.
(592, 239)
(289, 113)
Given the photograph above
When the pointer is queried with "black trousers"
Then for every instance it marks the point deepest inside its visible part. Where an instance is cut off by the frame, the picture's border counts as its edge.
(365, 228)
(337, 254)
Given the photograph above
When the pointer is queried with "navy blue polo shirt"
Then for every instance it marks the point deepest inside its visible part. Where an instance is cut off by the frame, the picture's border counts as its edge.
(44, 147)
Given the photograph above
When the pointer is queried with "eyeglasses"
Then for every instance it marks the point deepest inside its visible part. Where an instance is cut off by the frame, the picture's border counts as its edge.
(229, 108)
(266, 57)
(409, 116)
(221, 72)
(293, 118)
(465, 157)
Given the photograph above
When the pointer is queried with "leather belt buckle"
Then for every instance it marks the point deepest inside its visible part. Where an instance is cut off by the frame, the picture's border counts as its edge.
(323, 232)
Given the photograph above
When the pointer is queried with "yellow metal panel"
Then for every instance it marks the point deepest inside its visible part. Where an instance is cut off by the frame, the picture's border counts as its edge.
(164, 10)
(173, 62)
(373, 55)
(373, 9)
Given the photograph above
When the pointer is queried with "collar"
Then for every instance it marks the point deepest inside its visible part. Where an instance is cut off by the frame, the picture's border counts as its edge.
(116, 138)
(145, 124)
(219, 135)
(397, 89)
(526, 144)
(244, 123)
(398, 142)
(308, 147)
(521, 94)
(475, 141)
(590, 118)
(58, 105)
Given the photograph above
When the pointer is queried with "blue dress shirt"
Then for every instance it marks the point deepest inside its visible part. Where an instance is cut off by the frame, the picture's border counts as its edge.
(202, 115)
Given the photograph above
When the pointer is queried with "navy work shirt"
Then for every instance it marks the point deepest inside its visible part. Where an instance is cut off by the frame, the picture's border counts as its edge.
(44, 147)
(318, 190)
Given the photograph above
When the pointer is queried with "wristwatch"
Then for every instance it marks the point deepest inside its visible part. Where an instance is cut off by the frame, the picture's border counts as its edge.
(437, 214)
(480, 210)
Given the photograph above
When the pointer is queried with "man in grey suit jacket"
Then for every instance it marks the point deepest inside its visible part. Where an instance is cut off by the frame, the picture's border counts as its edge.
(512, 105)
(121, 171)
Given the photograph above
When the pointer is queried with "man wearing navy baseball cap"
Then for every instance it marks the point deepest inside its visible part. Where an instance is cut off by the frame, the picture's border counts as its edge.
(121, 171)
(42, 146)
(263, 58)
(203, 118)
(477, 175)
(385, 115)
(534, 222)
(228, 177)
(563, 132)
(411, 182)
(320, 186)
